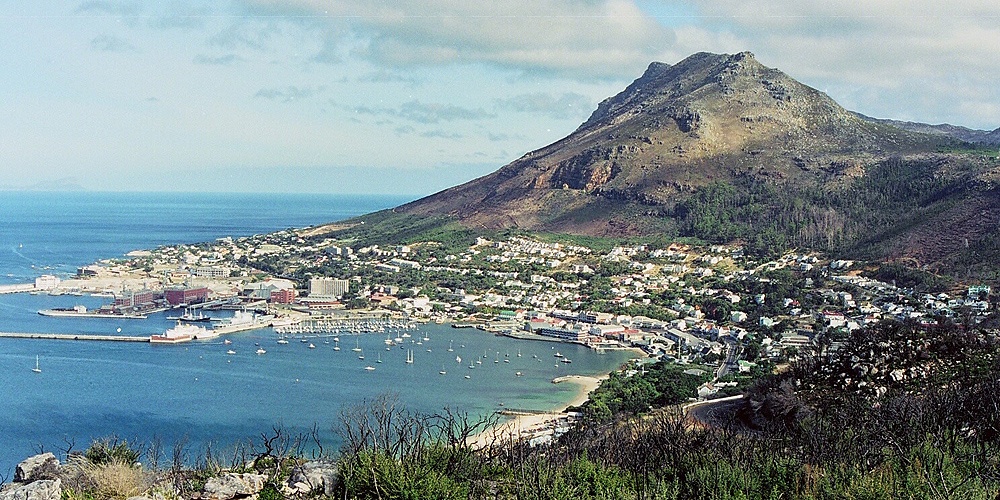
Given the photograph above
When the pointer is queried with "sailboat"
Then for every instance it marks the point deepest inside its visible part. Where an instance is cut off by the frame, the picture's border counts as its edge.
(450, 349)
(357, 346)
(336, 345)
(442, 372)
(379, 360)
(409, 357)
(36, 369)
(362, 355)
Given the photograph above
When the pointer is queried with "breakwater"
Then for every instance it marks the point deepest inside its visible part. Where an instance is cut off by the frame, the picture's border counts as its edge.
(72, 336)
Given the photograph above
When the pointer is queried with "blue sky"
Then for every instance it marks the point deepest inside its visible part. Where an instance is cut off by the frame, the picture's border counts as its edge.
(413, 96)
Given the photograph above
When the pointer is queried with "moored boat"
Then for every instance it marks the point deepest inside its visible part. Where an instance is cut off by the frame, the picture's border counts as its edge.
(178, 334)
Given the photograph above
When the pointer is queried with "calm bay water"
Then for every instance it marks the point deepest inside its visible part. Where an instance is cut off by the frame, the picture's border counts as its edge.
(195, 391)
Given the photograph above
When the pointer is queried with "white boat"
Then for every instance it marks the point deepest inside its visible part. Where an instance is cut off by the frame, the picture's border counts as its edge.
(230, 352)
(260, 350)
(312, 346)
(362, 355)
(357, 346)
(409, 357)
(227, 341)
(180, 333)
(370, 368)
(336, 345)
(379, 360)
(36, 369)
(282, 340)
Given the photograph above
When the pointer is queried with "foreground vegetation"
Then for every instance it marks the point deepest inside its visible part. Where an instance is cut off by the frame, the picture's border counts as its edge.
(841, 424)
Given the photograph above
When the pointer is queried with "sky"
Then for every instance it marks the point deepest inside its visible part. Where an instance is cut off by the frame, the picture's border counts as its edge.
(413, 96)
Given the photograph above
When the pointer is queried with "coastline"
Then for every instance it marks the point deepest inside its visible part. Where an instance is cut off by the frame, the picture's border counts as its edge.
(523, 426)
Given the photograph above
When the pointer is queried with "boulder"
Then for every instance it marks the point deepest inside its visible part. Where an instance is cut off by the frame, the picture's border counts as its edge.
(231, 485)
(44, 489)
(313, 477)
(43, 466)
(156, 495)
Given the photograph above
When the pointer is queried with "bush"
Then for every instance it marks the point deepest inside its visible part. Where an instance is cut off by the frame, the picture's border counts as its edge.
(111, 450)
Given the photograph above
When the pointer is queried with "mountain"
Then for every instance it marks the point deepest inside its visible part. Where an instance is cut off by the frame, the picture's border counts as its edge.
(966, 134)
(723, 148)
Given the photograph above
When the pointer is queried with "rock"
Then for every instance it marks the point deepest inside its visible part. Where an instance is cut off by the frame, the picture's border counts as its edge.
(156, 495)
(43, 489)
(313, 477)
(43, 466)
(231, 485)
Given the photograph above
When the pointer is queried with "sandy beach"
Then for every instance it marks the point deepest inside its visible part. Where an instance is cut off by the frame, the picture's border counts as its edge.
(526, 425)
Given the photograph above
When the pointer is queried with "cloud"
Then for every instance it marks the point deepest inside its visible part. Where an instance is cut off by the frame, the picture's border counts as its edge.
(226, 60)
(590, 38)
(501, 137)
(427, 114)
(568, 105)
(384, 76)
(109, 43)
(183, 17)
(245, 35)
(926, 61)
(125, 9)
(288, 94)
(434, 113)
(441, 134)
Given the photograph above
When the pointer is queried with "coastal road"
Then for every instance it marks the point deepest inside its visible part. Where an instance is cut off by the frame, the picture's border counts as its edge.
(717, 413)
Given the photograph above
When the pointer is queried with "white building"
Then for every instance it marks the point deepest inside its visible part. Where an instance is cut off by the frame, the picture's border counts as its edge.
(46, 282)
(328, 287)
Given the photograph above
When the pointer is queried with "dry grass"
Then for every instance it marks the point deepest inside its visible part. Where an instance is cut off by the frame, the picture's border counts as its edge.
(112, 481)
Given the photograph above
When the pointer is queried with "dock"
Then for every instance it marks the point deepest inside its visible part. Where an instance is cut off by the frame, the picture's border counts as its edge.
(72, 336)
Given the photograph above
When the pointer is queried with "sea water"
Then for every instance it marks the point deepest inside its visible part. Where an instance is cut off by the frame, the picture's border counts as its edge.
(196, 393)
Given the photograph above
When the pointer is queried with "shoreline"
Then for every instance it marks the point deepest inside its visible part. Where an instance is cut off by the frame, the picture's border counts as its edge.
(523, 426)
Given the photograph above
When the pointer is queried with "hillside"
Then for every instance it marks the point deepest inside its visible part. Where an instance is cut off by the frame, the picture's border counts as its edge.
(723, 148)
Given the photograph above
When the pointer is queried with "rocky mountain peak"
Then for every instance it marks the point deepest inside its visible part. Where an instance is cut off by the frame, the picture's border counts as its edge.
(709, 119)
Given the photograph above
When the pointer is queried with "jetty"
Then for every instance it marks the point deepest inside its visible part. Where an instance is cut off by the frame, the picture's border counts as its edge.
(72, 336)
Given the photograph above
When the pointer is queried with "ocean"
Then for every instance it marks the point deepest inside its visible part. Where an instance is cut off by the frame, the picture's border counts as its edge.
(196, 393)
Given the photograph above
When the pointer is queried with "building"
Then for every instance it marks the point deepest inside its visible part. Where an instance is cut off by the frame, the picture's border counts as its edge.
(212, 272)
(285, 296)
(186, 295)
(138, 299)
(46, 282)
(328, 288)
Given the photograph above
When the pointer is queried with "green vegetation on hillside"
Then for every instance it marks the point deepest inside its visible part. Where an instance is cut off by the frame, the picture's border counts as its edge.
(891, 197)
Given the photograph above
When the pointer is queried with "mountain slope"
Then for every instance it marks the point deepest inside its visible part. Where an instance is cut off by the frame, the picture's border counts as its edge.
(724, 148)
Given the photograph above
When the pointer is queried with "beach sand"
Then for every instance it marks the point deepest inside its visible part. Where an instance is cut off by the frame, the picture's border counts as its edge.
(525, 425)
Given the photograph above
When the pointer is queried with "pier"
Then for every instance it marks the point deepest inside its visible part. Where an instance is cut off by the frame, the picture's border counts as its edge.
(72, 336)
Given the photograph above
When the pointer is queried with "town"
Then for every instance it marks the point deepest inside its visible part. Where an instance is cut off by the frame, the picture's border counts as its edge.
(709, 305)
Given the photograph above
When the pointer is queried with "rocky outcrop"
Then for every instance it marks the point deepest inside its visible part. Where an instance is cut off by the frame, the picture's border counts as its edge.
(312, 478)
(231, 485)
(42, 466)
(45, 489)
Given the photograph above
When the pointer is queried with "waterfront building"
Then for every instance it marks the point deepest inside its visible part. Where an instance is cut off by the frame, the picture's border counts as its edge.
(186, 295)
(46, 282)
(138, 299)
